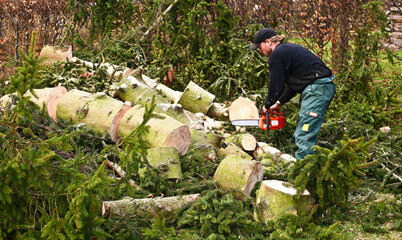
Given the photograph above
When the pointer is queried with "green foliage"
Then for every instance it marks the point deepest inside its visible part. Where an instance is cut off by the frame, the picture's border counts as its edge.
(363, 57)
(218, 216)
(27, 76)
(90, 78)
(331, 175)
(43, 195)
(102, 17)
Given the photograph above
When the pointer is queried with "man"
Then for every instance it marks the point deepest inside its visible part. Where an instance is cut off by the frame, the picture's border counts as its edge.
(294, 69)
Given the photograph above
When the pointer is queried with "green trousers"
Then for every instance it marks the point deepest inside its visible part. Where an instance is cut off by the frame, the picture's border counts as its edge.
(314, 102)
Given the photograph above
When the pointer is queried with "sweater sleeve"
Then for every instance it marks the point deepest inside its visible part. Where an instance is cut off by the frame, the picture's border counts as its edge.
(287, 95)
(277, 76)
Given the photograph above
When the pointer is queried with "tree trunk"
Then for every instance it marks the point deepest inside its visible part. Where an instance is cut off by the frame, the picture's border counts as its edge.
(276, 199)
(238, 175)
(95, 110)
(147, 207)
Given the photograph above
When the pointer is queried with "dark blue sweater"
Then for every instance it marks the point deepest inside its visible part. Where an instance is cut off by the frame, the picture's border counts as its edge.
(291, 69)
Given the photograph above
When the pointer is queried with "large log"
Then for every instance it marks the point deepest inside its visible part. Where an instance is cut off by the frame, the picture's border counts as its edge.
(147, 207)
(46, 98)
(276, 199)
(106, 114)
(159, 130)
(238, 176)
(96, 110)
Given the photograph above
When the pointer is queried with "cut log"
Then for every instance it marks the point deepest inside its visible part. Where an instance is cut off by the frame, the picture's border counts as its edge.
(199, 138)
(47, 98)
(218, 111)
(238, 176)
(286, 158)
(234, 150)
(53, 100)
(274, 152)
(204, 144)
(166, 160)
(135, 90)
(276, 199)
(55, 54)
(159, 130)
(114, 127)
(205, 151)
(147, 207)
(177, 112)
(195, 99)
(243, 108)
(96, 110)
(180, 138)
(245, 141)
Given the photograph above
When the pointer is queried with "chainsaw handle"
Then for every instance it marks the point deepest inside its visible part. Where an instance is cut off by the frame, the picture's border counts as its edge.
(277, 119)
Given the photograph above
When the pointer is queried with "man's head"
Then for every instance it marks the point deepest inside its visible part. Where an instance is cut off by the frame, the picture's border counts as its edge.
(262, 35)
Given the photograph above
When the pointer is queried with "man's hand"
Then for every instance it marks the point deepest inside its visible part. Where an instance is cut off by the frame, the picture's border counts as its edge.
(274, 109)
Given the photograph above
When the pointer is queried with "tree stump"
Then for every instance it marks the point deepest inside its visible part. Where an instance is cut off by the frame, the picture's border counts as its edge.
(276, 199)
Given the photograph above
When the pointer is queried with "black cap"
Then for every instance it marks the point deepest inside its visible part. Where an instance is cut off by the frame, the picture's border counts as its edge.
(262, 35)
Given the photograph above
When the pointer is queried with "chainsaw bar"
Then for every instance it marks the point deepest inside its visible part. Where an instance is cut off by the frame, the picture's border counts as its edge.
(246, 122)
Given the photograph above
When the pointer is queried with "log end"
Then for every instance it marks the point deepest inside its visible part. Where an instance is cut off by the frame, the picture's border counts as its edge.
(180, 138)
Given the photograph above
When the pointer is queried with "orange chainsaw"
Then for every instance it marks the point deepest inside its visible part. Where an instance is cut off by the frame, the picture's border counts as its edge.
(266, 121)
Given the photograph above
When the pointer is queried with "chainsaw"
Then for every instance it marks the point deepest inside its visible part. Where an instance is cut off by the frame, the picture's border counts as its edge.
(266, 121)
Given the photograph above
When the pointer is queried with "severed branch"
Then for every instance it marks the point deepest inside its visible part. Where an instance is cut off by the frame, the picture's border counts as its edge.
(158, 20)
(121, 172)
(390, 172)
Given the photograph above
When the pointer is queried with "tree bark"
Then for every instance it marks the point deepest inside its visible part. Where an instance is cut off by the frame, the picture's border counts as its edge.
(219, 112)
(166, 160)
(234, 150)
(95, 110)
(195, 99)
(238, 175)
(147, 207)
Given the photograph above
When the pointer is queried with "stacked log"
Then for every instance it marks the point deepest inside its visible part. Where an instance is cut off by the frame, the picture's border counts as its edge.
(238, 176)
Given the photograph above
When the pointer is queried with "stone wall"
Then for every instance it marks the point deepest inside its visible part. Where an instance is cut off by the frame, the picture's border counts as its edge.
(394, 15)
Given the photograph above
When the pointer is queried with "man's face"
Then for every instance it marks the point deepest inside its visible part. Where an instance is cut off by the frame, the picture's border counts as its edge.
(265, 48)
